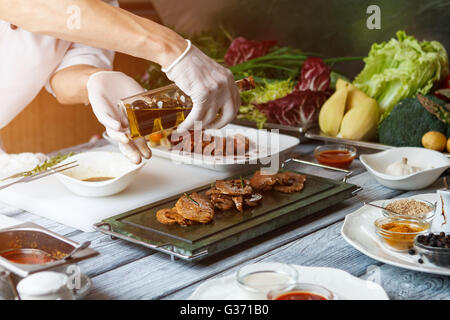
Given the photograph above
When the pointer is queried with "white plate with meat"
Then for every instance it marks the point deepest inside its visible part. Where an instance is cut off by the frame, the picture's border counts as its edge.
(226, 149)
(229, 148)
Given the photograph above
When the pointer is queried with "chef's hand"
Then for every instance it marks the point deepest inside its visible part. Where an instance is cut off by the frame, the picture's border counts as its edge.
(210, 86)
(105, 89)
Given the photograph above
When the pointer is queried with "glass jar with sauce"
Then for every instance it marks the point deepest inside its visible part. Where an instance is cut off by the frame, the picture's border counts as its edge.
(163, 108)
(258, 279)
(302, 291)
(335, 155)
(399, 233)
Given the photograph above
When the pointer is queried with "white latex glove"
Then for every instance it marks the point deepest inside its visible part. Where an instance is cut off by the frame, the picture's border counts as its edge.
(210, 86)
(105, 89)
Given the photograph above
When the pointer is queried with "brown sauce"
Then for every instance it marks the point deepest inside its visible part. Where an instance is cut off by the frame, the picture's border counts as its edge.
(27, 257)
(300, 296)
(98, 179)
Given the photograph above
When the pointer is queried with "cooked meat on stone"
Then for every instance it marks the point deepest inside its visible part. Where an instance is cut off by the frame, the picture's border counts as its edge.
(170, 216)
(195, 207)
(221, 201)
(263, 182)
(254, 200)
(236, 187)
(289, 182)
(239, 203)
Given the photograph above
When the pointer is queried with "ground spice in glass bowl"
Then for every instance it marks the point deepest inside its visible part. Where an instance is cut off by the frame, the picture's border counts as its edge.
(410, 208)
(399, 233)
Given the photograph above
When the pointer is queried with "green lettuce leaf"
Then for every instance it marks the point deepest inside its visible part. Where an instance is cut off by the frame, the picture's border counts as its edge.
(401, 68)
(266, 92)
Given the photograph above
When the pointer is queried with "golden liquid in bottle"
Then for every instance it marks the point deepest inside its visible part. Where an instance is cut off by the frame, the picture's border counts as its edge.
(163, 108)
(147, 120)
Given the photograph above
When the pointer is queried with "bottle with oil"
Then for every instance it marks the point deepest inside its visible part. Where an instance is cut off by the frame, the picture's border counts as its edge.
(163, 108)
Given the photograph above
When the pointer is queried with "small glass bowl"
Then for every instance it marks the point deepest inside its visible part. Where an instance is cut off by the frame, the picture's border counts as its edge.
(435, 255)
(428, 217)
(400, 241)
(302, 288)
(260, 278)
(335, 161)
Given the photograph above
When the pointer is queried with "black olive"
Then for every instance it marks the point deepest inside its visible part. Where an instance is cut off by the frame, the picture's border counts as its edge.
(412, 252)
(420, 261)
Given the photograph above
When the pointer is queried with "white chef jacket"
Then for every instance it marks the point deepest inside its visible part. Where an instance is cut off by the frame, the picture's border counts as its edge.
(28, 61)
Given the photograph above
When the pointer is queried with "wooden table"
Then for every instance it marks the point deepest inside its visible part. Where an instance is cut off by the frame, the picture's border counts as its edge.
(127, 271)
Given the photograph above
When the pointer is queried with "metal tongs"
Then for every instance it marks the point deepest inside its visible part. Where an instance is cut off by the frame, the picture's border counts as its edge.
(28, 176)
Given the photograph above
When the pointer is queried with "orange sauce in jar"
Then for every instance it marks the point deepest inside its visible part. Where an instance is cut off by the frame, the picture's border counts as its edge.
(300, 296)
(335, 158)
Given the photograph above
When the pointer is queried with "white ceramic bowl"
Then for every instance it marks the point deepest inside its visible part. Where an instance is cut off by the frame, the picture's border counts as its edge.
(99, 164)
(434, 163)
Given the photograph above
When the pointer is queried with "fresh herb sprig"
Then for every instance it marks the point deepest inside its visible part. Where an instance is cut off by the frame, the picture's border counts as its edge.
(190, 198)
(50, 162)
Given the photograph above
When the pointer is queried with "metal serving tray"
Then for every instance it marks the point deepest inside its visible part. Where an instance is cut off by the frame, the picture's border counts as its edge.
(228, 228)
(31, 236)
(314, 134)
(290, 130)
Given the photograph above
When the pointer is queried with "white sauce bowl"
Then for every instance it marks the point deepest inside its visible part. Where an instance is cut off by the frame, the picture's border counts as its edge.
(99, 164)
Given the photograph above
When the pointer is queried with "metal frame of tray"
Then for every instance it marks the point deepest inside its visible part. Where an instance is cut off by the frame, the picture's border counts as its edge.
(314, 134)
(297, 131)
(120, 227)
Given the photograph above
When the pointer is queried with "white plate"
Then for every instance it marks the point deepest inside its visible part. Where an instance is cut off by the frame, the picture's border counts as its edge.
(343, 284)
(359, 231)
(268, 145)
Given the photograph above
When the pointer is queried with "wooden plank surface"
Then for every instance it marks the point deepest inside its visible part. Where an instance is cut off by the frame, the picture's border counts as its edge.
(128, 271)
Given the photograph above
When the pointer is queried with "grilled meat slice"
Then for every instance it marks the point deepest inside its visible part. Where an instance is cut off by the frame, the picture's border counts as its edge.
(290, 182)
(221, 201)
(237, 145)
(239, 203)
(236, 187)
(195, 207)
(170, 216)
(263, 182)
(254, 200)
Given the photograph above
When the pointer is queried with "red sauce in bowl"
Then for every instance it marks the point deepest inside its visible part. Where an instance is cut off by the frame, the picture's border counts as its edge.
(300, 296)
(27, 257)
(335, 158)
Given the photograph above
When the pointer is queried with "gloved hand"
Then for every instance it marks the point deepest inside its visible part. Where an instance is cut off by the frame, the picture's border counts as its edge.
(210, 86)
(105, 89)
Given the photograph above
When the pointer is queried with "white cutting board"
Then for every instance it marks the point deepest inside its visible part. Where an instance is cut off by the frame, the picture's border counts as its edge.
(7, 222)
(157, 180)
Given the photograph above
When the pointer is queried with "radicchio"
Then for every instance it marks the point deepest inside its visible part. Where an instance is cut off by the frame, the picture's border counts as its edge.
(315, 76)
(299, 108)
(302, 106)
(242, 50)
